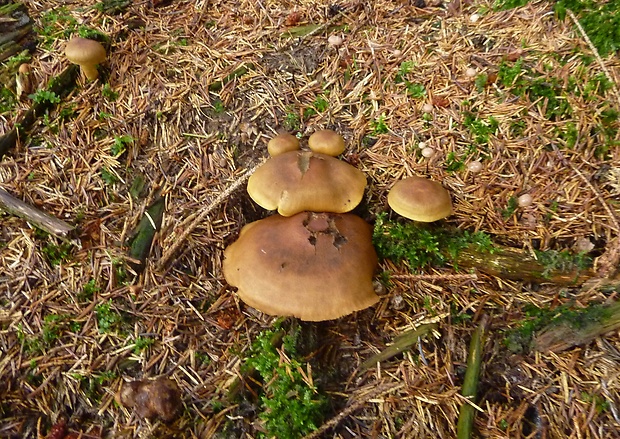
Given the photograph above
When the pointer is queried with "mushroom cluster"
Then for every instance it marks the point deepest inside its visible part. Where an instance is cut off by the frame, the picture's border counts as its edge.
(312, 260)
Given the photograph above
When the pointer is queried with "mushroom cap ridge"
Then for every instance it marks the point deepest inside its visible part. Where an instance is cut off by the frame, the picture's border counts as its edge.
(314, 266)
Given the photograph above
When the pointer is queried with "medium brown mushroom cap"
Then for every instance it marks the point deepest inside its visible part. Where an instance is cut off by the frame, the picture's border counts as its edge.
(314, 266)
(297, 181)
(282, 143)
(86, 53)
(420, 199)
(326, 142)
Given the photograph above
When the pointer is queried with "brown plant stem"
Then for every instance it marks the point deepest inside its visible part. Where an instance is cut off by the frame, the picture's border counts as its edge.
(401, 343)
(465, 423)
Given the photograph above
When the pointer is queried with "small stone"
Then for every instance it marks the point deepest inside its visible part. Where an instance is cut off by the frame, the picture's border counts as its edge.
(335, 40)
(525, 200)
(397, 302)
(427, 108)
(583, 245)
(471, 72)
(474, 166)
(428, 152)
(474, 18)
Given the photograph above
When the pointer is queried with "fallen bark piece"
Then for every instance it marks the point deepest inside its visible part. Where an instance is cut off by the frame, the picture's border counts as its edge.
(15, 32)
(577, 328)
(517, 265)
(144, 234)
(464, 250)
(465, 423)
(158, 398)
(61, 85)
(36, 217)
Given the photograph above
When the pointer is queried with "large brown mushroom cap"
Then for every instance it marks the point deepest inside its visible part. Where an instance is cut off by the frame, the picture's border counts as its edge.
(297, 181)
(420, 199)
(326, 142)
(314, 266)
(87, 54)
(282, 143)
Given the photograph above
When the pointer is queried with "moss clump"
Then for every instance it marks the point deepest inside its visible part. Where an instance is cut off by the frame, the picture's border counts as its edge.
(519, 339)
(563, 261)
(291, 406)
(423, 246)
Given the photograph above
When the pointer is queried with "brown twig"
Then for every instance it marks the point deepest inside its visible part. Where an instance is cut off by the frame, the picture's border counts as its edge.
(359, 403)
(42, 220)
(200, 216)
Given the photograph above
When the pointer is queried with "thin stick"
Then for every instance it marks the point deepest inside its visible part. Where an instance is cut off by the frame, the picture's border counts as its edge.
(42, 220)
(596, 54)
(435, 277)
(178, 243)
(381, 390)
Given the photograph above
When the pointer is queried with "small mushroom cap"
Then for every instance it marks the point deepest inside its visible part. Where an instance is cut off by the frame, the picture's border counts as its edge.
(151, 398)
(314, 266)
(326, 142)
(297, 181)
(282, 143)
(420, 199)
(84, 51)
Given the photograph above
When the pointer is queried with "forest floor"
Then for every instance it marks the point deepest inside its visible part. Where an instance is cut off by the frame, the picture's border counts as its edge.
(189, 96)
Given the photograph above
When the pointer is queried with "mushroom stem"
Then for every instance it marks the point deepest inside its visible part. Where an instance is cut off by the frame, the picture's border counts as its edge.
(90, 71)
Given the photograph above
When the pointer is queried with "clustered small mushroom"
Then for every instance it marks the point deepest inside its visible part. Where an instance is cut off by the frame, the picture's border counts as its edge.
(326, 142)
(282, 143)
(296, 181)
(157, 398)
(312, 260)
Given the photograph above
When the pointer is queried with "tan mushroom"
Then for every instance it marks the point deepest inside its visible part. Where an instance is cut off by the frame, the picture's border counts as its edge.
(296, 181)
(282, 143)
(158, 398)
(420, 199)
(87, 54)
(314, 266)
(326, 142)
